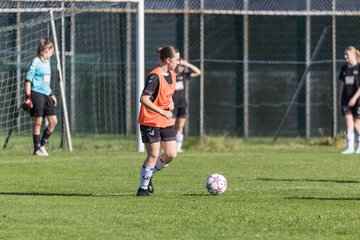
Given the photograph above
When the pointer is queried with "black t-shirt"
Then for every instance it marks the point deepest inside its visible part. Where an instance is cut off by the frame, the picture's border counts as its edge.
(350, 77)
(152, 85)
(179, 95)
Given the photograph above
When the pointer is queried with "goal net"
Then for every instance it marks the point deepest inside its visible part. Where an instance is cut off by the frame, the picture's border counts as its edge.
(96, 31)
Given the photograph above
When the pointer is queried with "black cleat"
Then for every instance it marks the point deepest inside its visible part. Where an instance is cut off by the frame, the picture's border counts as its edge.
(142, 193)
(151, 186)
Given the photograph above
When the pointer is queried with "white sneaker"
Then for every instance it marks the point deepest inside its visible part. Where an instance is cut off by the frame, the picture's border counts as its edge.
(357, 150)
(180, 150)
(41, 152)
(348, 151)
(42, 148)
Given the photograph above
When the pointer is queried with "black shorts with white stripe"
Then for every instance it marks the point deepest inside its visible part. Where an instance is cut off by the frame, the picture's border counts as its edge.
(155, 134)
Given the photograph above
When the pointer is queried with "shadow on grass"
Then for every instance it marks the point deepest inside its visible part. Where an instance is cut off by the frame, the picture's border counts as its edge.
(198, 195)
(307, 180)
(323, 198)
(65, 194)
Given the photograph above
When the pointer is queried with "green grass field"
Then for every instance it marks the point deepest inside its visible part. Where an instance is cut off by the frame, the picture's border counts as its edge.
(286, 191)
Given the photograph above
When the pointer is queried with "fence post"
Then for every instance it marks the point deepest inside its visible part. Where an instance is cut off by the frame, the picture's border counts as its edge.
(308, 76)
(246, 70)
(334, 79)
(201, 127)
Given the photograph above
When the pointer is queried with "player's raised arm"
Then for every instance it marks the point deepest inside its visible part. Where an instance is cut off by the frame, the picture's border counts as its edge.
(195, 71)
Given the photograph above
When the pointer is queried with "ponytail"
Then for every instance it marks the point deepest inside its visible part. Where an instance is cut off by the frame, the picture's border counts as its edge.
(358, 56)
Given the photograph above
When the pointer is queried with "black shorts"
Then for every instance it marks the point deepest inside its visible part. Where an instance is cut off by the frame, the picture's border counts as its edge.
(156, 134)
(355, 111)
(180, 112)
(42, 105)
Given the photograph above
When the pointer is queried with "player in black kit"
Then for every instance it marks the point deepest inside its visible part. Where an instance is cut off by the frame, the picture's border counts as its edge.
(180, 111)
(350, 104)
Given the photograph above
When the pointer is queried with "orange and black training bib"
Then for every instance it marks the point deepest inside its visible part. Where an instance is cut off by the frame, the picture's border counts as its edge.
(163, 99)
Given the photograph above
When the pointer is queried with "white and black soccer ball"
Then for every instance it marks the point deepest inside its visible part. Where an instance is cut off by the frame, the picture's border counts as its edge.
(216, 184)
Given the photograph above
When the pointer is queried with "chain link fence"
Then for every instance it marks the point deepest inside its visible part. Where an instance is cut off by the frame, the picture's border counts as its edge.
(253, 56)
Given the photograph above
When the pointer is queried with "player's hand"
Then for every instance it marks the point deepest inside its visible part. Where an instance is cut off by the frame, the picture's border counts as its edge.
(167, 114)
(170, 107)
(54, 100)
(182, 62)
(352, 102)
(27, 103)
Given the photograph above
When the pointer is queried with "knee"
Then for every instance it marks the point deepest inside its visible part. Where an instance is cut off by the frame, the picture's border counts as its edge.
(151, 159)
(171, 156)
(350, 124)
(357, 129)
(52, 123)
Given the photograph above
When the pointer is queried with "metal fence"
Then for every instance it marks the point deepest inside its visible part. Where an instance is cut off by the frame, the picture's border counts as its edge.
(253, 55)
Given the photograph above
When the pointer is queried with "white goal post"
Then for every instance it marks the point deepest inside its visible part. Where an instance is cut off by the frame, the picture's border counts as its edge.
(61, 84)
(140, 67)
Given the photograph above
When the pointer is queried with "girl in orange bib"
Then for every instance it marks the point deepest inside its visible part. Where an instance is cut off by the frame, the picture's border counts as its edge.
(156, 118)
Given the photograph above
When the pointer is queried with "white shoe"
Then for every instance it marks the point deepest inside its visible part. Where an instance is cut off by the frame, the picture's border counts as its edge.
(42, 148)
(180, 150)
(357, 150)
(41, 152)
(348, 151)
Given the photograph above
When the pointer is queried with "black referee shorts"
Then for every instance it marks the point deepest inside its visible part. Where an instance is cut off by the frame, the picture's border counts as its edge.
(43, 105)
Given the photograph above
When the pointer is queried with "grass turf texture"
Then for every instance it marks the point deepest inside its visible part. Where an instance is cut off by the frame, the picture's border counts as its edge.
(287, 191)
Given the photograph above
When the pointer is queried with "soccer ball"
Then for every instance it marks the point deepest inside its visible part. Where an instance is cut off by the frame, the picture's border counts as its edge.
(216, 184)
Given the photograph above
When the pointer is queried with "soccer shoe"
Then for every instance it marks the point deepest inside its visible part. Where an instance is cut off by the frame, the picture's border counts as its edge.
(151, 186)
(357, 150)
(348, 151)
(42, 148)
(40, 153)
(142, 193)
(179, 147)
